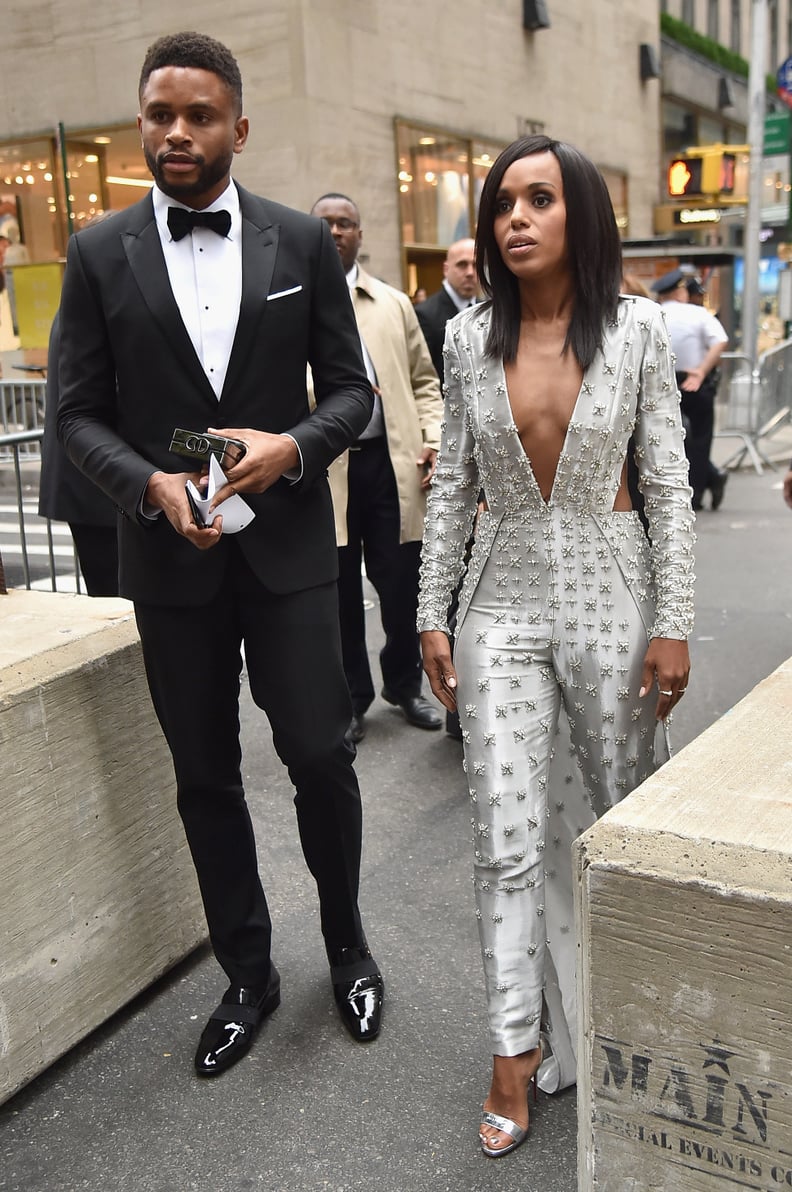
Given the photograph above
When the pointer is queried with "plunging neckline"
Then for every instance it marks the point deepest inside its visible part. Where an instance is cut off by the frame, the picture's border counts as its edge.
(512, 427)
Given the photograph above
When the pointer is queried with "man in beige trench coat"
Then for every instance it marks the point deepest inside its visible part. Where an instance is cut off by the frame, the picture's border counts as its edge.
(379, 486)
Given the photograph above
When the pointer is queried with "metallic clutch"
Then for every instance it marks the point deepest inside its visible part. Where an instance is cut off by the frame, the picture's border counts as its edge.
(200, 446)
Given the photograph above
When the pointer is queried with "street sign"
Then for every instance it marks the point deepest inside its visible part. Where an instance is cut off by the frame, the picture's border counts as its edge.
(777, 133)
(784, 80)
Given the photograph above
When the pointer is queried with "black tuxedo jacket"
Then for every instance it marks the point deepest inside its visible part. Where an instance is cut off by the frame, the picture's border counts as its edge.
(129, 375)
(433, 314)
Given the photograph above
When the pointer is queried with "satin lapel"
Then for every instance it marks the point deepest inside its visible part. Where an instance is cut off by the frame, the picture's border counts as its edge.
(259, 249)
(144, 253)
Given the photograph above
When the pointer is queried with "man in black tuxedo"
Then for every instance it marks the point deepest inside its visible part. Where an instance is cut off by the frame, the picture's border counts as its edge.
(175, 319)
(460, 283)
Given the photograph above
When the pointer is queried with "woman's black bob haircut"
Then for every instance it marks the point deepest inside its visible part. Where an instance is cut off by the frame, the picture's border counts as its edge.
(593, 245)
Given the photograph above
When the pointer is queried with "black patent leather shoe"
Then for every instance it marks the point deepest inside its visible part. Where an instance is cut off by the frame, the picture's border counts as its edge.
(417, 710)
(229, 1033)
(358, 990)
(357, 729)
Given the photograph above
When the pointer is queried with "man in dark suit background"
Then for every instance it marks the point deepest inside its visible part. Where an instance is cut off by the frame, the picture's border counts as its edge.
(171, 319)
(66, 495)
(458, 290)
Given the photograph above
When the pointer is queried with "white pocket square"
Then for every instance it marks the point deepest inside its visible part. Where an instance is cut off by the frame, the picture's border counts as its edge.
(283, 293)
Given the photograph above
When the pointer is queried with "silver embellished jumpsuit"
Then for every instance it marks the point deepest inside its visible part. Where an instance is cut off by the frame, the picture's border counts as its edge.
(557, 608)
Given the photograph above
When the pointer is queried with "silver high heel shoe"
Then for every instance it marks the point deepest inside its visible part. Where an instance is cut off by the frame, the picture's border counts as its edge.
(517, 1133)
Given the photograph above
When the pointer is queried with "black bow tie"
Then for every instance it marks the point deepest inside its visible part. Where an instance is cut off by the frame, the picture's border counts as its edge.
(181, 221)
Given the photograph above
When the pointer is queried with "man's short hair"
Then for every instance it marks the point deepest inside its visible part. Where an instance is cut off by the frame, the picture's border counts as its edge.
(198, 51)
(335, 194)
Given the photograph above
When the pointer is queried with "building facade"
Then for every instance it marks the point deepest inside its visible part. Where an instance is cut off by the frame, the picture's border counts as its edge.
(403, 107)
(704, 49)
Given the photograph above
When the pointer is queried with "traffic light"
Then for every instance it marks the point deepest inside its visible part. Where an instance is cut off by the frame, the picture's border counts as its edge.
(707, 171)
(684, 177)
(727, 169)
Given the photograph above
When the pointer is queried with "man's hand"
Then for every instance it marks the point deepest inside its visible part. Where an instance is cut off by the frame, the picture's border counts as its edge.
(788, 488)
(266, 459)
(436, 651)
(426, 461)
(166, 491)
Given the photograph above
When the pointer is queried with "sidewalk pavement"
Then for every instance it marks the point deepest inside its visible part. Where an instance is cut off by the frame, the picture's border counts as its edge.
(309, 1110)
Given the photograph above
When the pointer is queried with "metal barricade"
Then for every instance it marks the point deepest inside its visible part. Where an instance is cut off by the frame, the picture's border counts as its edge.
(775, 371)
(15, 447)
(753, 402)
(22, 407)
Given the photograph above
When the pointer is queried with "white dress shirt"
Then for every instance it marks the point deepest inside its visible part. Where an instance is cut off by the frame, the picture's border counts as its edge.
(692, 331)
(205, 273)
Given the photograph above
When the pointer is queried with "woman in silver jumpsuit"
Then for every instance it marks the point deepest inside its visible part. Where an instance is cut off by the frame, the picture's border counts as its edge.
(571, 642)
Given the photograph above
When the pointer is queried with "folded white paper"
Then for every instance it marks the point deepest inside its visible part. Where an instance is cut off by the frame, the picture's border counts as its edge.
(235, 512)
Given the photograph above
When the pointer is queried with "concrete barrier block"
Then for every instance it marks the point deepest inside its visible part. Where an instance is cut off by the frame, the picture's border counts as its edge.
(684, 907)
(98, 896)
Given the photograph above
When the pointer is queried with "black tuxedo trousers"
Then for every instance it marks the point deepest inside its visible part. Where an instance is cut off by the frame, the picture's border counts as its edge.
(373, 525)
(293, 660)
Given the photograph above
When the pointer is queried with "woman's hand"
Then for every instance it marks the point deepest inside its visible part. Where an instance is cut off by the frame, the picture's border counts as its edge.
(667, 661)
(436, 651)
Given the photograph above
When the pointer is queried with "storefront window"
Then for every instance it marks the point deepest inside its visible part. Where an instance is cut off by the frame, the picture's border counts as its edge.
(28, 207)
(41, 185)
(616, 182)
(439, 176)
(49, 187)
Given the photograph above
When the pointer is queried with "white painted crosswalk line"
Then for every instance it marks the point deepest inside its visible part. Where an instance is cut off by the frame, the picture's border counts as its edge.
(36, 538)
(38, 548)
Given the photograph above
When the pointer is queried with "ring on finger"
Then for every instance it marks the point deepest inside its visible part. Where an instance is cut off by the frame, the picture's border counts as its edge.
(666, 692)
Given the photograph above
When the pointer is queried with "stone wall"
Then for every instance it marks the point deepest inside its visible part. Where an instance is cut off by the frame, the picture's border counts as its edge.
(97, 892)
(685, 975)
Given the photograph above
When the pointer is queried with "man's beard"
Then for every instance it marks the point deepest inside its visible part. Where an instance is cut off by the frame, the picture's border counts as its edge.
(208, 175)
